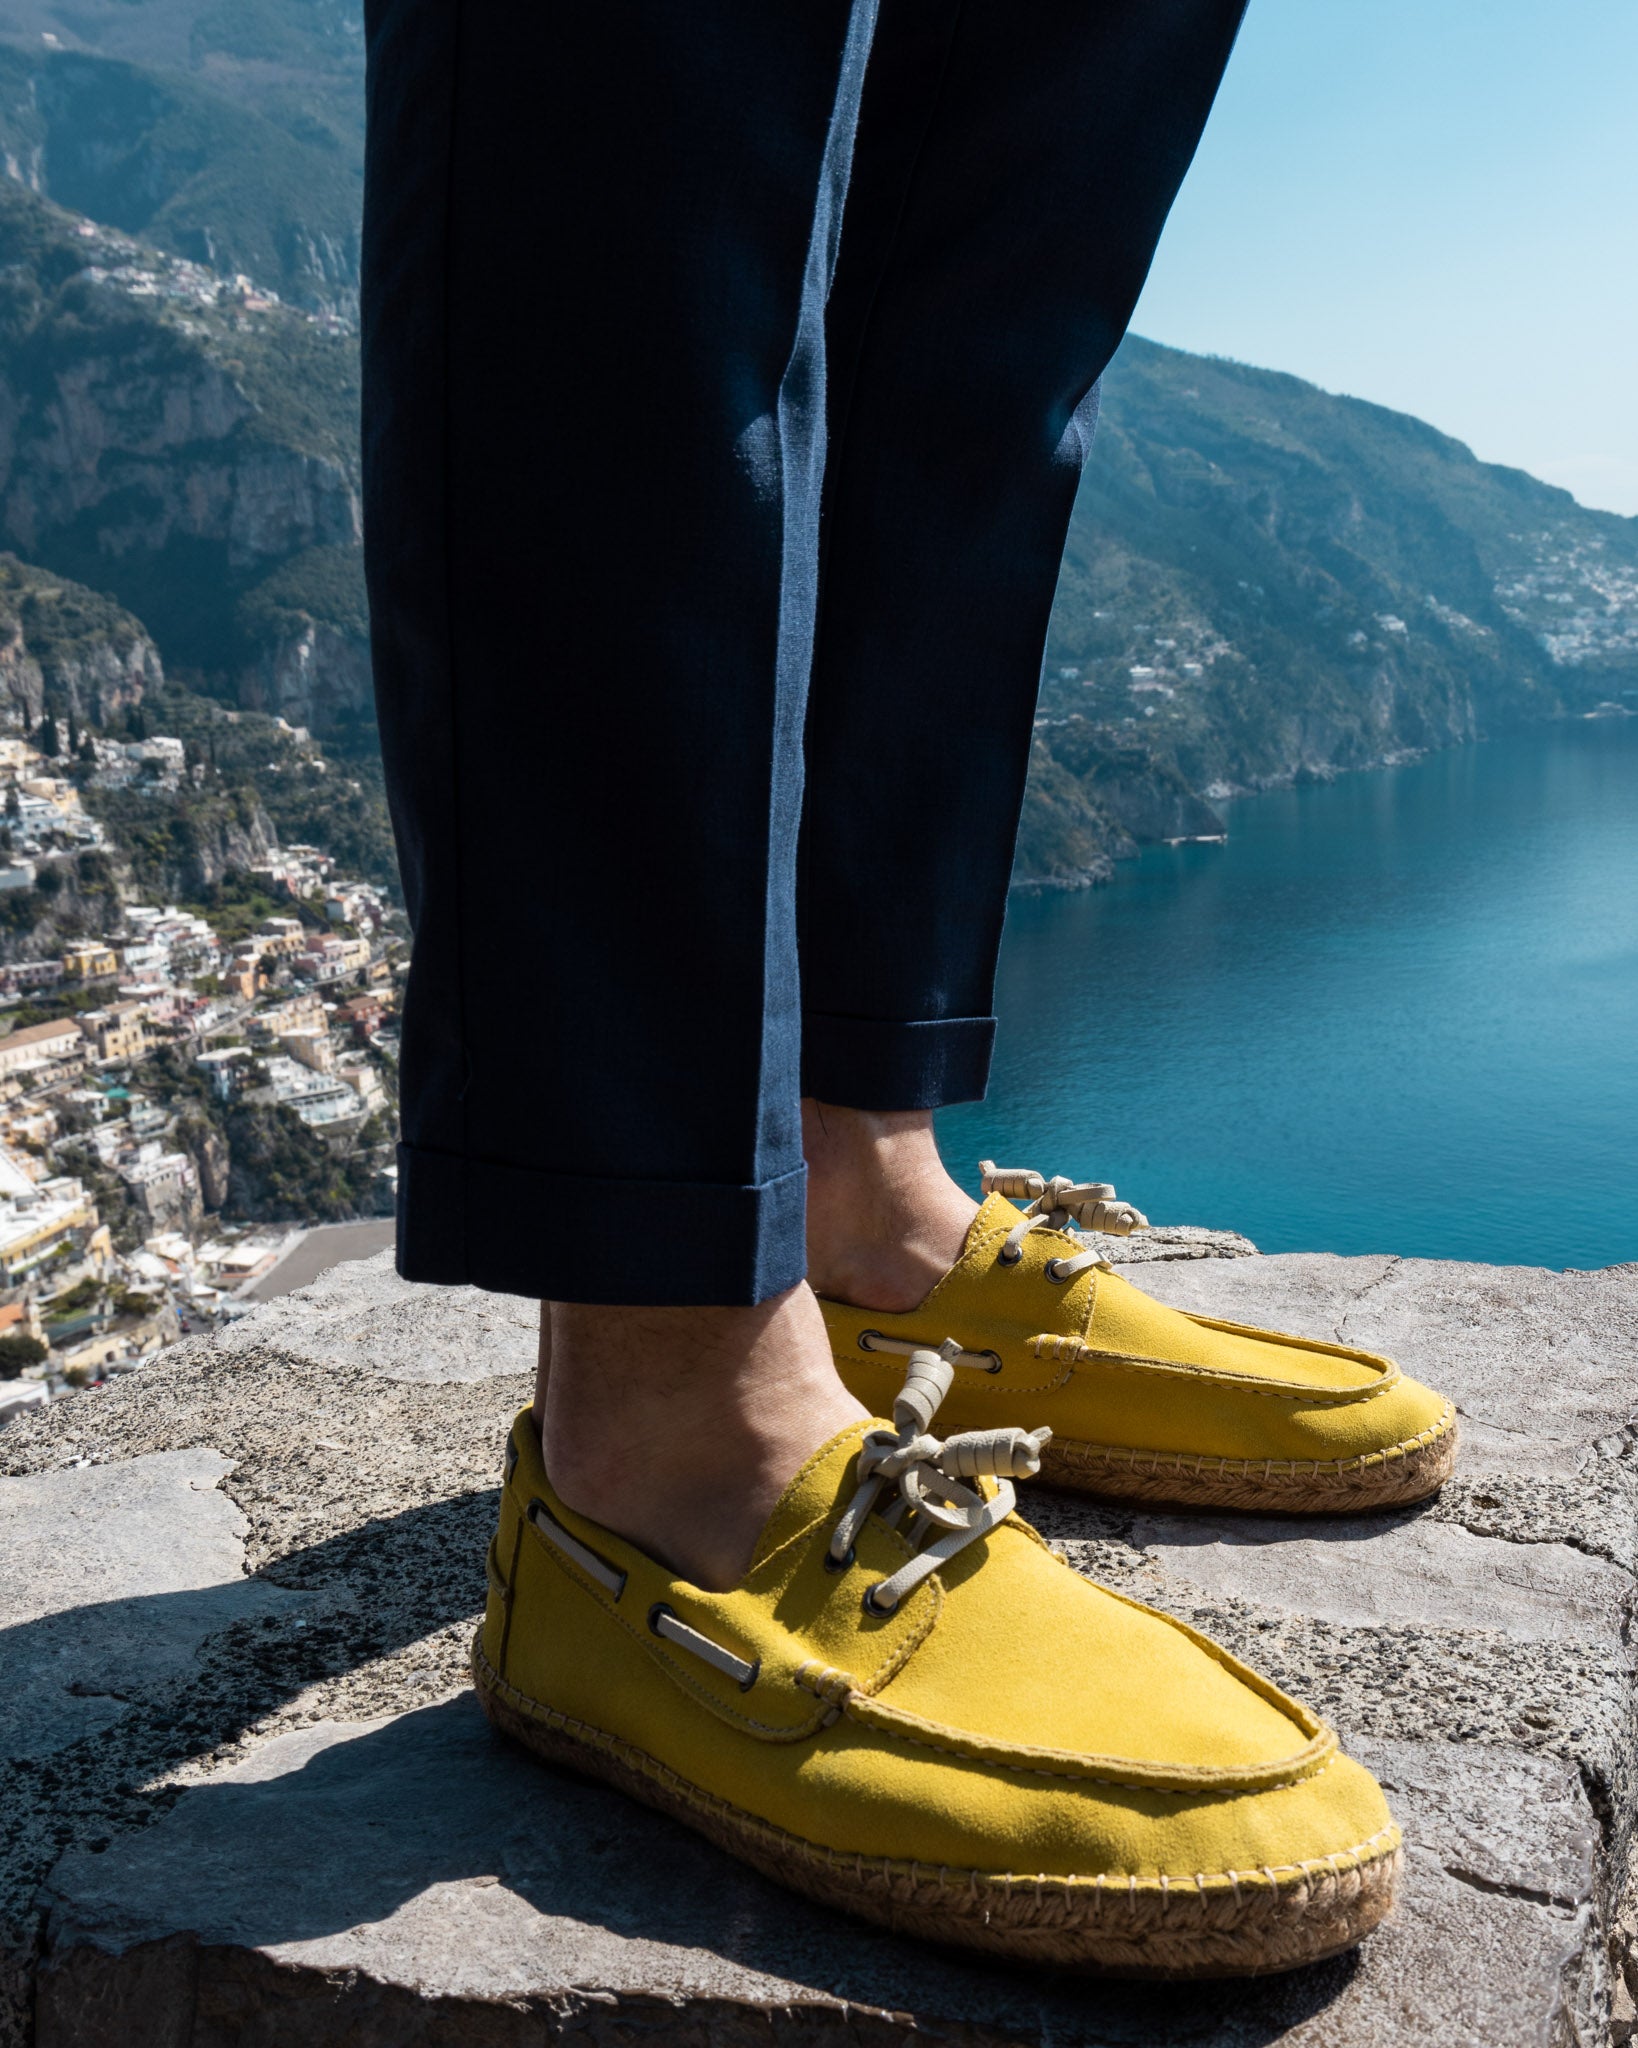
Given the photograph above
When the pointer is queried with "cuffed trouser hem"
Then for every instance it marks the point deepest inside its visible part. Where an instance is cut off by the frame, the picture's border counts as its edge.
(863, 1063)
(632, 1243)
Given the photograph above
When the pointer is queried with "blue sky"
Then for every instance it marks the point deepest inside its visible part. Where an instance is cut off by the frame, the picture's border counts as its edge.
(1434, 204)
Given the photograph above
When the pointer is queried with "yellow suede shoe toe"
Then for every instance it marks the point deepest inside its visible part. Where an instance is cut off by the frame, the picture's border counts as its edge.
(911, 1709)
(1144, 1401)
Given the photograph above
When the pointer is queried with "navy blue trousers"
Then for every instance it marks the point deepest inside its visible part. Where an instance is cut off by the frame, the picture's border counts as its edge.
(729, 370)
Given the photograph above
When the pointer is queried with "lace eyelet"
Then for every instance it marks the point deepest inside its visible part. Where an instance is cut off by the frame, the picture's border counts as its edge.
(660, 1609)
(1053, 1270)
(870, 1605)
(1006, 1258)
(995, 1364)
(842, 1563)
(865, 1337)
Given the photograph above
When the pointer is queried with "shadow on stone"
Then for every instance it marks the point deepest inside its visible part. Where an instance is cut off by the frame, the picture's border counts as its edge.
(429, 1836)
(202, 1661)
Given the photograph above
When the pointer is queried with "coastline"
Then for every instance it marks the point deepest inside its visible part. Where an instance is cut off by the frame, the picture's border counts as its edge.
(1128, 847)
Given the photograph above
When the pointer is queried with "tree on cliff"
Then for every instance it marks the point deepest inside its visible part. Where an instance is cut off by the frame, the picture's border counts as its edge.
(19, 1350)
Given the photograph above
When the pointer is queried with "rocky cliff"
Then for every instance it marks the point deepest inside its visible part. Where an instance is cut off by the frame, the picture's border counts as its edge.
(187, 447)
(68, 650)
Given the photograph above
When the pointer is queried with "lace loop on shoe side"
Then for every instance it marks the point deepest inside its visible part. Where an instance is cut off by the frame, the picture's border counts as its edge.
(929, 1471)
(974, 1361)
(663, 1622)
(598, 1569)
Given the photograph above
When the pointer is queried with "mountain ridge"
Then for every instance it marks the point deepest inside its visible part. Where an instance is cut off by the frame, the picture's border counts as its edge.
(1265, 582)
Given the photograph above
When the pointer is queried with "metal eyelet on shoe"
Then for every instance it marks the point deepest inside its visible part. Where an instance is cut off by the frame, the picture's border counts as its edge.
(870, 1604)
(865, 1337)
(995, 1360)
(1006, 1258)
(1054, 1272)
(655, 1614)
(842, 1563)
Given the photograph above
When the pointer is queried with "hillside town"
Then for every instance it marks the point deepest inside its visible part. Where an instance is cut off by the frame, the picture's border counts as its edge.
(184, 287)
(1576, 595)
(129, 1059)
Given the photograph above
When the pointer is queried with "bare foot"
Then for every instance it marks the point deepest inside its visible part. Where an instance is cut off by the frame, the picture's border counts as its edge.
(679, 1428)
(885, 1221)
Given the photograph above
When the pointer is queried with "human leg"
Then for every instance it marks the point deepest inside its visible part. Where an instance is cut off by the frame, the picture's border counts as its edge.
(1012, 175)
(1010, 181)
(885, 1220)
(866, 1711)
(597, 249)
(597, 246)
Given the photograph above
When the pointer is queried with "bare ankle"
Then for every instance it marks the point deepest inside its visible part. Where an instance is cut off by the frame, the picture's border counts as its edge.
(885, 1220)
(680, 1428)
(543, 1366)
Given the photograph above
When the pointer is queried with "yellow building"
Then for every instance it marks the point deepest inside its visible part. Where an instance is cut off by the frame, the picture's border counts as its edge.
(92, 961)
(124, 1031)
(58, 1213)
(280, 937)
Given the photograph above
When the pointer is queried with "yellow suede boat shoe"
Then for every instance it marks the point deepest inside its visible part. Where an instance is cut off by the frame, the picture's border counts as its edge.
(1145, 1402)
(911, 1709)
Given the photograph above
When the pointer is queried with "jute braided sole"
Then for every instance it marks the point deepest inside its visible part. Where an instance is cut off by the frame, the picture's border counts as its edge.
(1227, 1924)
(1388, 1478)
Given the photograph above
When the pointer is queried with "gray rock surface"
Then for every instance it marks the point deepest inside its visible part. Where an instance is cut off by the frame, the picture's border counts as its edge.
(1435, 1574)
(114, 1576)
(363, 1314)
(1543, 1366)
(1168, 1243)
(263, 1808)
(416, 1852)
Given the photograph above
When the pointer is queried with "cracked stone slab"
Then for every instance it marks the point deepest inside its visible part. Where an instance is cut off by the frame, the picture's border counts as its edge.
(1595, 1512)
(1503, 1820)
(1542, 1366)
(365, 1420)
(361, 1316)
(1308, 1293)
(1373, 1571)
(419, 1865)
(114, 1575)
(1165, 1242)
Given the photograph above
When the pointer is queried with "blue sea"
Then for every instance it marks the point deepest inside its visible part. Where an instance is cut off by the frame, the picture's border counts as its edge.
(1397, 1013)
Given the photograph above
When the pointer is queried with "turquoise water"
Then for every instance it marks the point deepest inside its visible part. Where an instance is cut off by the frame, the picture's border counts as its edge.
(1398, 1013)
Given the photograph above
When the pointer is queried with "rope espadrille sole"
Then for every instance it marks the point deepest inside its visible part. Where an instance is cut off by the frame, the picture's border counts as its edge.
(1214, 1924)
(1391, 1477)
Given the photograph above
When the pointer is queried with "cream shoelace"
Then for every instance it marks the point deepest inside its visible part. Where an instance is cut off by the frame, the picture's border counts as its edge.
(1055, 1204)
(928, 1471)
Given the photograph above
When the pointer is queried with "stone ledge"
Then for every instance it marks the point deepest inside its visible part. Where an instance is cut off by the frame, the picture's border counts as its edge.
(263, 1807)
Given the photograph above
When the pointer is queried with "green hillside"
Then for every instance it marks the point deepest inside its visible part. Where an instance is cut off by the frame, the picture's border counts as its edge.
(222, 506)
(1264, 582)
(187, 170)
(299, 62)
